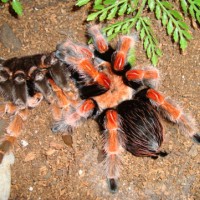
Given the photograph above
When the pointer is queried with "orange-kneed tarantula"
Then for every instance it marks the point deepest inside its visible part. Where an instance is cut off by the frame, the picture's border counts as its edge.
(79, 83)
(124, 101)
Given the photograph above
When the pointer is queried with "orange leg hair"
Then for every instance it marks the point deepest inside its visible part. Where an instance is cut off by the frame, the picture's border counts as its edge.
(148, 76)
(74, 116)
(9, 108)
(174, 113)
(13, 131)
(113, 145)
(120, 57)
(99, 40)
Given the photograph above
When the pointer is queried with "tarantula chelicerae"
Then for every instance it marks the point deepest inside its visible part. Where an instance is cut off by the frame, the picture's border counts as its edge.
(128, 107)
(122, 100)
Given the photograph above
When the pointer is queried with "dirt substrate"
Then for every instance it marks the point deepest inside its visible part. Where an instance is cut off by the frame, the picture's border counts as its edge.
(49, 169)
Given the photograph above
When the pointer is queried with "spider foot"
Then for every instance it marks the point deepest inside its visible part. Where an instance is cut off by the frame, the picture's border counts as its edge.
(112, 184)
(7, 108)
(16, 124)
(62, 127)
(160, 153)
(196, 138)
(99, 40)
(35, 100)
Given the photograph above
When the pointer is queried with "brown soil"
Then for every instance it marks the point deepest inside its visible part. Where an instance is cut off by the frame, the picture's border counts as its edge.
(49, 169)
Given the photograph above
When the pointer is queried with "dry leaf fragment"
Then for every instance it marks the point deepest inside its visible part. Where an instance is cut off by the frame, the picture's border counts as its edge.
(56, 145)
(67, 140)
(50, 152)
(30, 156)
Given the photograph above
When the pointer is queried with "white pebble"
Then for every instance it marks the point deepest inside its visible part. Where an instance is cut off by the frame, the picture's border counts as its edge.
(80, 172)
(24, 143)
(30, 189)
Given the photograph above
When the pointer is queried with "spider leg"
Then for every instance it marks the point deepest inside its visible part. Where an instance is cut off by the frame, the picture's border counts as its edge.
(121, 55)
(99, 41)
(13, 131)
(149, 76)
(74, 116)
(173, 113)
(60, 102)
(35, 100)
(41, 82)
(20, 89)
(8, 107)
(83, 65)
(113, 143)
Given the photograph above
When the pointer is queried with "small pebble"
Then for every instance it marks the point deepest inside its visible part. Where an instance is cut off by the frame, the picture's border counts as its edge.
(80, 172)
(24, 143)
(30, 189)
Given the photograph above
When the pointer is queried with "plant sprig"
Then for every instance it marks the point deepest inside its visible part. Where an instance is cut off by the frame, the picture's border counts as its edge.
(16, 6)
(165, 11)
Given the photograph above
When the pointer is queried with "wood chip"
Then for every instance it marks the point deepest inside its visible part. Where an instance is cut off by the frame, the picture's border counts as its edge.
(56, 145)
(30, 156)
(50, 152)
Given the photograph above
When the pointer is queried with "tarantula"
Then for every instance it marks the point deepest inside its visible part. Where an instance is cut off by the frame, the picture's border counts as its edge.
(24, 82)
(80, 82)
(123, 101)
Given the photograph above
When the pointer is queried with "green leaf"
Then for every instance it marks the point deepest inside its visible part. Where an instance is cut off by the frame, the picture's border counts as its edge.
(164, 19)
(109, 32)
(142, 33)
(138, 25)
(183, 43)
(147, 21)
(17, 7)
(184, 6)
(187, 35)
(92, 16)
(198, 18)
(97, 2)
(176, 14)
(117, 29)
(170, 27)
(197, 2)
(109, 2)
(4, 1)
(183, 25)
(112, 13)
(191, 11)
(175, 35)
(154, 59)
(131, 56)
(129, 9)
(125, 28)
(158, 12)
(149, 51)
(151, 4)
(158, 52)
(103, 16)
(82, 2)
(98, 7)
(167, 4)
(146, 42)
(122, 9)
(112, 36)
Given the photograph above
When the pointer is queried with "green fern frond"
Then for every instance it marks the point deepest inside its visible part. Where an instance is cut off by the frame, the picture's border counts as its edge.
(164, 11)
